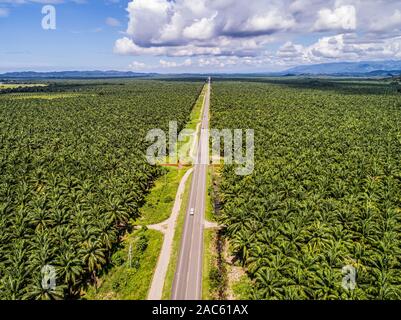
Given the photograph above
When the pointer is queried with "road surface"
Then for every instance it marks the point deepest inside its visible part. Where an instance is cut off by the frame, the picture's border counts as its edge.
(187, 283)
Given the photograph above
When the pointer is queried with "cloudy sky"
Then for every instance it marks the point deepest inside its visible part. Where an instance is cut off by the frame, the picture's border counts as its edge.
(197, 35)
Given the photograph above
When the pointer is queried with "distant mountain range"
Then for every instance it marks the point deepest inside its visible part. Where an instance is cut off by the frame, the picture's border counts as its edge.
(364, 68)
(388, 68)
(73, 75)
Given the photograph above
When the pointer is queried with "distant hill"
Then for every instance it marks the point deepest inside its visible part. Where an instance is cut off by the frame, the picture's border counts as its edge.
(389, 68)
(73, 75)
(364, 68)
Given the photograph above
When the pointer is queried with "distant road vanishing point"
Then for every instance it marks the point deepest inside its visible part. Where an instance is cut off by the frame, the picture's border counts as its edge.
(187, 283)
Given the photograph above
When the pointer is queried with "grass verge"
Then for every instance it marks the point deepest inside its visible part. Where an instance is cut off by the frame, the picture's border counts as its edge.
(209, 215)
(208, 263)
(126, 280)
(196, 113)
(160, 201)
(209, 240)
(184, 147)
(242, 289)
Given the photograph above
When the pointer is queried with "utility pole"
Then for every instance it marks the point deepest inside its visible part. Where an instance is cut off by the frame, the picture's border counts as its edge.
(130, 255)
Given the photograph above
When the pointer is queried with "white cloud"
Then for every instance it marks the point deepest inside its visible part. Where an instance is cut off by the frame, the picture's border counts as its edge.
(126, 46)
(203, 27)
(113, 22)
(136, 65)
(146, 20)
(163, 63)
(4, 12)
(232, 33)
(267, 23)
(341, 47)
(175, 64)
(221, 46)
(327, 47)
(187, 63)
(341, 18)
(290, 51)
(390, 23)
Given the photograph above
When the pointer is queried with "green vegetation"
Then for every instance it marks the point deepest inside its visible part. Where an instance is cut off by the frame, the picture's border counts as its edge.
(184, 147)
(129, 276)
(168, 283)
(45, 96)
(60, 87)
(160, 201)
(242, 288)
(74, 175)
(215, 267)
(158, 207)
(121, 282)
(210, 255)
(20, 85)
(196, 113)
(325, 192)
(208, 264)
(209, 212)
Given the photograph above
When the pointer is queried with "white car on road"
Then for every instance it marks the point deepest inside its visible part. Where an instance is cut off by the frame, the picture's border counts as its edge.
(192, 211)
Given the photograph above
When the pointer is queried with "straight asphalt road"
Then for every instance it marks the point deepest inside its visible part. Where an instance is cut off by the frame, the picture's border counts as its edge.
(187, 283)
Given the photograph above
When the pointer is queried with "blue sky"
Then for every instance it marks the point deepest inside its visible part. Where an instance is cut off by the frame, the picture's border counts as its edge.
(82, 38)
(196, 36)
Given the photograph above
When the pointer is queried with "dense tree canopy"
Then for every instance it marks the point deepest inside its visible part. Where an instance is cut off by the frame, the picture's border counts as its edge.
(326, 190)
(73, 173)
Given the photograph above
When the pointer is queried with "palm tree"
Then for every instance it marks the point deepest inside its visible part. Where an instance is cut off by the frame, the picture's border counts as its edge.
(70, 269)
(38, 292)
(269, 284)
(12, 287)
(116, 212)
(93, 257)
